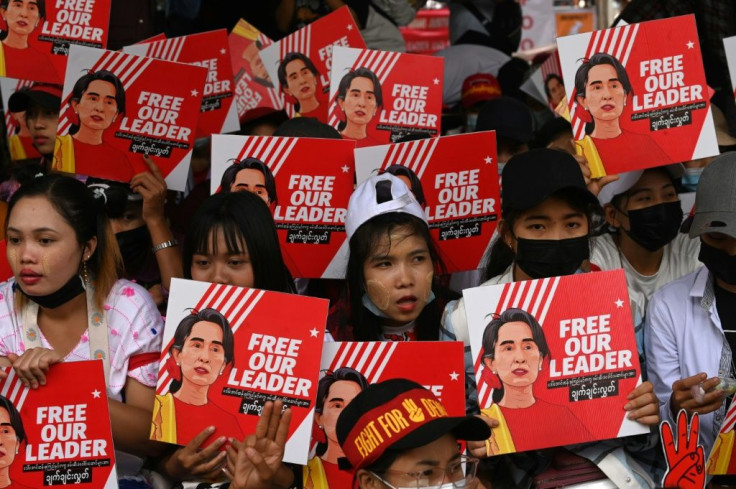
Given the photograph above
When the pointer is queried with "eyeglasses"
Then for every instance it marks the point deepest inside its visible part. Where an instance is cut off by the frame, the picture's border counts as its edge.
(458, 474)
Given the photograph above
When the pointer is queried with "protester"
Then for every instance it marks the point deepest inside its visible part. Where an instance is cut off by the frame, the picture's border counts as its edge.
(689, 340)
(425, 447)
(477, 89)
(59, 241)
(544, 231)
(392, 292)
(41, 104)
(513, 123)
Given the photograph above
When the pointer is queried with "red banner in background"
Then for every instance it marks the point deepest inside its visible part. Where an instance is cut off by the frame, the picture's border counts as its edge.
(429, 32)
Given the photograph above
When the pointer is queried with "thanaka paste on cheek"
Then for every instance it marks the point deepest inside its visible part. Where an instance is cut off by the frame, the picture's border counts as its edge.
(379, 294)
(428, 281)
(13, 259)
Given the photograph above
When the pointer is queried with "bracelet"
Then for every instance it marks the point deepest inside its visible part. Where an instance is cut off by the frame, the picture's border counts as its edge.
(164, 245)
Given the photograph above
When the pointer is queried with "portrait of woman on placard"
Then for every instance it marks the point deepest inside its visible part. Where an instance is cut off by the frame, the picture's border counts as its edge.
(514, 350)
(250, 175)
(602, 90)
(97, 100)
(18, 59)
(299, 79)
(359, 97)
(334, 391)
(12, 435)
(202, 351)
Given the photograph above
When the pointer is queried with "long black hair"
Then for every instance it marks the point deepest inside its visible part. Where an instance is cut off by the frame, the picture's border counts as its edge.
(243, 217)
(282, 70)
(15, 420)
(323, 390)
(490, 337)
(363, 243)
(344, 86)
(228, 177)
(501, 256)
(581, 78)
(83, 83)
(184, 329)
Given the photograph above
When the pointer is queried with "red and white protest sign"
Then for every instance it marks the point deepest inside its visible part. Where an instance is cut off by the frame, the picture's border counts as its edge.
(429, 32)
(314, 180)
(209, 50)
(255, 92)
(459, 190)
(348, 368)
(637, 95)
(543, 354)
(39, 34)
(63, 434)
(245, 347)
(20, 144)
(378, 97)
(545, 83)
(538, 26)
(299, 64)
(729, 44)
(115, 109)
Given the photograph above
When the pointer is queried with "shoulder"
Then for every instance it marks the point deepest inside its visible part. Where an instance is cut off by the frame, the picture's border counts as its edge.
(673, 296)
(604, 252)
(130, 302)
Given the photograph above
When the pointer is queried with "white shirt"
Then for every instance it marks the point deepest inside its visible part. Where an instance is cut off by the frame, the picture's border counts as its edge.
(679, 259)
(683, 337)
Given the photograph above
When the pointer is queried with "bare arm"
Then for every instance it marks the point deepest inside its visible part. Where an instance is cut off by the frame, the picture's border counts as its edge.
(131, 421)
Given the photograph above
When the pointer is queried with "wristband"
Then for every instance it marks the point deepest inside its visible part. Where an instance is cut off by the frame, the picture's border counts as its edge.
(164, 245)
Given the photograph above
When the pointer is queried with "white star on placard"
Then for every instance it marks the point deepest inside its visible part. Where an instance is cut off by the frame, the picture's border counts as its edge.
(436, 81)
(345, 169)
(96, 394)
(690, 45)
(454, 376)
(194, 92)
(314, 332)
(619, 303)
(488, 160)
(350, 27)
(223, 51)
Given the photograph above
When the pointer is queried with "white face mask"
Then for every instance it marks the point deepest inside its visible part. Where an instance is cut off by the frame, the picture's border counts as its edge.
(446, 485)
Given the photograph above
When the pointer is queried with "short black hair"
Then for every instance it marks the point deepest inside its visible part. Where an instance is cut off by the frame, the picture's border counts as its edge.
(250, 164)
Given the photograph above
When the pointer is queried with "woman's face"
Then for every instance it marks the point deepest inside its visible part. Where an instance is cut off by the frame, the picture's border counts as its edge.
(8, 440)
(556, 91)
(300, 81)
(552, 219)
(97, 108)
(360, 101)
(223, 267)
(398, 275)
(42, 248)
(604, 94)
(202, 357)
(339, 395)
(250, 180)
(517, 360)
(22, 16)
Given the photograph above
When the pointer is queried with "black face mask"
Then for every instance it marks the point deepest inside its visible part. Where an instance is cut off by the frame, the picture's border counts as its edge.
(67, 292)
(542, 258)
(134, 244)
(654, 226)
(718, 262)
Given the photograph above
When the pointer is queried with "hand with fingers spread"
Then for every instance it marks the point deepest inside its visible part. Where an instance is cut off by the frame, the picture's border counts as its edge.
(643, 405)
(33, 365)
(257, 462)
(685, 457)
(682, 397)
(192, 462)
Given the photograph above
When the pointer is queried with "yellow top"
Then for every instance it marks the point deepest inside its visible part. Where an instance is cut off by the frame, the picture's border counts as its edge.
(163, 424)
(500, 434)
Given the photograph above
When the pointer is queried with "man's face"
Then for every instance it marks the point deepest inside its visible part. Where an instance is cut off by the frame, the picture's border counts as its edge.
(42, 122)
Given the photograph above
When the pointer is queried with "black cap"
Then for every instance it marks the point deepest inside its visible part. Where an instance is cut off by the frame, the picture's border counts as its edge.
(510, 118)
(45, 95)
(425, 421)
(551, 130)
(529, 178)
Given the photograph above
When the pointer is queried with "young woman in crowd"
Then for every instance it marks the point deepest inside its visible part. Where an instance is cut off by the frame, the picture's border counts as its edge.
(644, 213)
(65, 282)
(392, 292)
(544, 231)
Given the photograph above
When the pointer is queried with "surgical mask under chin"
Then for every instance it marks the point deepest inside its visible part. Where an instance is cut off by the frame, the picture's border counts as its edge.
(471, 121)
(543, 258)
(368, 304)
(691, 177)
